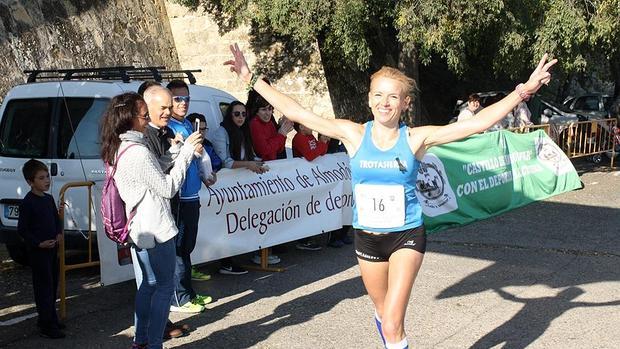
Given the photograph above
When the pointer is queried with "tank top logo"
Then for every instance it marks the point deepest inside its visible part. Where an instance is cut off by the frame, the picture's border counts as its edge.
(385, 164)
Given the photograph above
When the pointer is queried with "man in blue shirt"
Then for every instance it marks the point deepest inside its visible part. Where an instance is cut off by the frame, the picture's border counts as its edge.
(186, 211)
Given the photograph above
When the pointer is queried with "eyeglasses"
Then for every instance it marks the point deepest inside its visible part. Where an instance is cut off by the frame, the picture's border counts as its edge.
(238, 113)
(146, 117)
(180, 99)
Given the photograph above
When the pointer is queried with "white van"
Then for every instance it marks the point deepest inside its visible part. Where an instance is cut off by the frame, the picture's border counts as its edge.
(55, 118)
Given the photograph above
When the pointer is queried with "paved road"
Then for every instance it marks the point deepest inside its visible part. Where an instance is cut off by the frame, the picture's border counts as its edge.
(544, 276)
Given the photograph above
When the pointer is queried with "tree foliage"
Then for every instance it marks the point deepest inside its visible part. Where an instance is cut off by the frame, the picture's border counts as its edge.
(355, 37)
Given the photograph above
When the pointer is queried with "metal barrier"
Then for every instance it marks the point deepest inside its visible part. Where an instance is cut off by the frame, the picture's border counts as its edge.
(587, 138)
(61, 248)
(579, 139)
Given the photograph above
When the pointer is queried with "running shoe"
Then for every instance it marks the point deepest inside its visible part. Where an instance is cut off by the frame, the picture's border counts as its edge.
(308, 246)
(188, 307)
(232, 270)
(272, 259)
(202, 300)
(198, 276)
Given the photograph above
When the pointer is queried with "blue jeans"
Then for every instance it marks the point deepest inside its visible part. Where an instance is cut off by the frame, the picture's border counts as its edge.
(154, 293)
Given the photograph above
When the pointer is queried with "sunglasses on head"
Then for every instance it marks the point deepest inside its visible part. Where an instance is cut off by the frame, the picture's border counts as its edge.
(238, 113)
(180, 99)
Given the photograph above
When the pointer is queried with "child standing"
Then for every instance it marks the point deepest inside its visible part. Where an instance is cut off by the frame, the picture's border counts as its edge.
(41, 229)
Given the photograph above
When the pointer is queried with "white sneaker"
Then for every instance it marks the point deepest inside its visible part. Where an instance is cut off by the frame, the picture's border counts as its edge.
(271, 259)
(188, 307)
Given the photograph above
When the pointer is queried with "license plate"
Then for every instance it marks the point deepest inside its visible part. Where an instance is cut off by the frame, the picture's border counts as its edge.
(11, 211)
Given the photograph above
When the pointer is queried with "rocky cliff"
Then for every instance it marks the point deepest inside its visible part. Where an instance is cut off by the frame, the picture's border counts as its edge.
(43, 34)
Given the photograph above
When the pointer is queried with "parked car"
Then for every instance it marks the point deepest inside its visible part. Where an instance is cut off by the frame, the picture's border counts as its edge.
(544, 112)
(595, 105)
(55, 118)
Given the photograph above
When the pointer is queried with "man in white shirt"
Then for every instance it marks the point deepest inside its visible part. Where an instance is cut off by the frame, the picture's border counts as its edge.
(473, 106)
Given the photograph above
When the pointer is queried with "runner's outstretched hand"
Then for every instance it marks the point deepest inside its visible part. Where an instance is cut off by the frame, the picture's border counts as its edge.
(540, 75)
(238, 64)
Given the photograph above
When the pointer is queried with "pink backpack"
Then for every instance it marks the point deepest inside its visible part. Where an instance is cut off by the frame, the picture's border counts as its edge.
(115, 221)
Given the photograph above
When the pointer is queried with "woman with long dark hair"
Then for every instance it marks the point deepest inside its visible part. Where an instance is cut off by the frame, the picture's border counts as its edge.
(233, 143)
(146, 189)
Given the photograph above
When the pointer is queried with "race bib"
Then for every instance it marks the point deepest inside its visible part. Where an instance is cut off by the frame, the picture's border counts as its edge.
(380, 206)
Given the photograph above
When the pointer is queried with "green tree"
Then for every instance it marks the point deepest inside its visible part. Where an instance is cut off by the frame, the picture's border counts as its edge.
(605, 37)
(477, 41)
(353, 37)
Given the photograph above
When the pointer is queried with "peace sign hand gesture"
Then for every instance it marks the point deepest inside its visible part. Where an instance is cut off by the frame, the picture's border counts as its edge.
(238, 64)
(539, 76)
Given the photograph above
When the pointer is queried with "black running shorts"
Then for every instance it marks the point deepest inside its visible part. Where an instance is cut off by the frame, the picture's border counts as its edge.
(379, 247)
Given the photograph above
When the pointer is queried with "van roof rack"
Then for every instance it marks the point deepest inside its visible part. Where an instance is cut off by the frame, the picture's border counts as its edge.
(124, 73)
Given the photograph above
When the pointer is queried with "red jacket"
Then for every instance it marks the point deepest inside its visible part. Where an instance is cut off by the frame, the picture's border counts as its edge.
(308, 147)
(266, 140)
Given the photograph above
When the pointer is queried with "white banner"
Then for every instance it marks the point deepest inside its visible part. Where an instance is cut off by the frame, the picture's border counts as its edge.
(244, 211)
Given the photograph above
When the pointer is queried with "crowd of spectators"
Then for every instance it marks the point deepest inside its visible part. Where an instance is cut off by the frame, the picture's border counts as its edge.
(248, 135)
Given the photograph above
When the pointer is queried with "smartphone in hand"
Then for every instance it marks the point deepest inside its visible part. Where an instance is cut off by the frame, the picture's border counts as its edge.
(197, 125)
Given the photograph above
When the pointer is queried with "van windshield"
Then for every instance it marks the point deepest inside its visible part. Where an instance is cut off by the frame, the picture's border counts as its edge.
(58, 128)
(25, 128)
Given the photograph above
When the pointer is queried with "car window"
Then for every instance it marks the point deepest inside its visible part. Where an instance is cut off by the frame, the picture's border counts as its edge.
(78, 132)
(589, 103)
(24, 132)
(223, 107)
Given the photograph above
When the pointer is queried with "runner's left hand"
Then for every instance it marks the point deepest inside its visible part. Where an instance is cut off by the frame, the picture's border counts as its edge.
(540, 75)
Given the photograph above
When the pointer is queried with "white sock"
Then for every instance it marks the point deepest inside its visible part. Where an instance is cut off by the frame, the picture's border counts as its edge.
(400, 345)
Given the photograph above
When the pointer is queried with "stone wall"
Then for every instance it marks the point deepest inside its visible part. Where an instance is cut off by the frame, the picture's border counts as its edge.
(43, 34)
(200, 46)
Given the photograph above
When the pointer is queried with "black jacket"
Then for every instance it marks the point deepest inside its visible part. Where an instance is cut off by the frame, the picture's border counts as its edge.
(158, 142)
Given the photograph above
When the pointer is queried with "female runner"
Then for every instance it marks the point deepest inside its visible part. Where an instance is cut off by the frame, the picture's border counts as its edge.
(390, 239)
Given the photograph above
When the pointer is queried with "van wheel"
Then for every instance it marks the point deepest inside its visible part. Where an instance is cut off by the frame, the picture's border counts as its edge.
(597, 158)
(18, 253)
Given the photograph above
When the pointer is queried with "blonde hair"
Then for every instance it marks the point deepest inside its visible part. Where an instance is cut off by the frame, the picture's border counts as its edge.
(408, 83)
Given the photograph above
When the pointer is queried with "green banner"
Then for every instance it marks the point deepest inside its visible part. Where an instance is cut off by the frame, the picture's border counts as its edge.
(488, 174)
